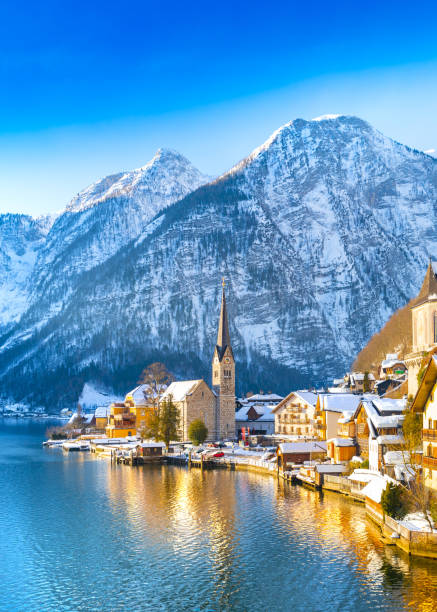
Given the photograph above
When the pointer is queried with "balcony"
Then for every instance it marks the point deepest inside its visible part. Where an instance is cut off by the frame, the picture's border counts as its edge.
(429, 434)
(430, 462)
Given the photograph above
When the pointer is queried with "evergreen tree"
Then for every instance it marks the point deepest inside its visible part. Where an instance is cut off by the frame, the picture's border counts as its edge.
(197, 432)
(393, 501)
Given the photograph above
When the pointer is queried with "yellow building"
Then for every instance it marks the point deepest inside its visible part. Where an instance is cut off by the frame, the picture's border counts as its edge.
(121, 421)
(101, 414)
(425, 402)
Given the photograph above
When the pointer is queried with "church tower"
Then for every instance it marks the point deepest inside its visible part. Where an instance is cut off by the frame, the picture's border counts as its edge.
(223, 376)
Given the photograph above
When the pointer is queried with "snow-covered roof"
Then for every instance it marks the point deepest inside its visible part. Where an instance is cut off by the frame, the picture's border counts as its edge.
(390, 440)
(137, 394)
(264, 397)
(387, 404)
(340, 402)
(376, 486)
(359, 376)
(102, 412)
(86, 418)
(179, 390)
(378, 420)
(265, 413)
(330, 468)
(308, 397)
(302, 447)
(396, 458)
(362, 475)
(152, 445)
(342, 441)
(389, 363)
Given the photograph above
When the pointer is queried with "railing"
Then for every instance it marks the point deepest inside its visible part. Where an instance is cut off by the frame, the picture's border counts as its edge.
(429, 462)
(429, 434)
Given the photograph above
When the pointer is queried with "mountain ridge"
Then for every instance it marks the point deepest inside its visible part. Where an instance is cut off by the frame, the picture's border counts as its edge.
(311, 230)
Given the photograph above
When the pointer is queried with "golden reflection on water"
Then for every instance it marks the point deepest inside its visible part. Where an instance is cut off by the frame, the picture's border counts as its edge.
(190, 510)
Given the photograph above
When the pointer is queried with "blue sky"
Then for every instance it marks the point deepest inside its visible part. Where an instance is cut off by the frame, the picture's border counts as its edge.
(91, 88)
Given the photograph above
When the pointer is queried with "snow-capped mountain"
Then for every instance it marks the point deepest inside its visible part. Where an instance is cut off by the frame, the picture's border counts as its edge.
(103, 218)
(321, 232)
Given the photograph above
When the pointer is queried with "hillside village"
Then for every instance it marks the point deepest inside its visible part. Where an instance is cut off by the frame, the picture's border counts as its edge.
(349, 437)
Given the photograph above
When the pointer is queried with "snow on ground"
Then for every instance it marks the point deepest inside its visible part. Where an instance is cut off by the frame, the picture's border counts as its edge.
(91, 397)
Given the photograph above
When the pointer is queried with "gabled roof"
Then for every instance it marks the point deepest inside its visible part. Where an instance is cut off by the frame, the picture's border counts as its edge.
(426, 386)
(428, 290)
(303, 447)
(306, 396)
(265, 397)
(179, 390)
(102, 412)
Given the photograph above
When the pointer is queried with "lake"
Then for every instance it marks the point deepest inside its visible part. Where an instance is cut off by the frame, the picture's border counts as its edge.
(77, 533)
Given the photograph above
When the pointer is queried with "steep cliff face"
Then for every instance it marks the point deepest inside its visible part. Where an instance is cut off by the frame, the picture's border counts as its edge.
(321, 233)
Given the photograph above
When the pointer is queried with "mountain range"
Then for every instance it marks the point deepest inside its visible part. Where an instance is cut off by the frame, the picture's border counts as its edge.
(321, 234)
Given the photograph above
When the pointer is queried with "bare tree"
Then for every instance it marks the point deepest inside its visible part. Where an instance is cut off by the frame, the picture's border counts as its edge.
(155, 378)
(419, 497)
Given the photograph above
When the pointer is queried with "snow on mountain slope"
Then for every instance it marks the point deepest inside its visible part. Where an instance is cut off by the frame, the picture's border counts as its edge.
(322, 232)
(21, 237)
(106, 216)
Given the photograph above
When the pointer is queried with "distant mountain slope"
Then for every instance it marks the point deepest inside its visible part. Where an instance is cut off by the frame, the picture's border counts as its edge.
(322, 233)
(21, 238)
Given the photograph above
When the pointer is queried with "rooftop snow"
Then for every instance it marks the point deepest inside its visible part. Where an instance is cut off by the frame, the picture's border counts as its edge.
(179, 390)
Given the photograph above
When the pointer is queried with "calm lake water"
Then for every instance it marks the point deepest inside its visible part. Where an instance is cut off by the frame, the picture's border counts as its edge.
(79, 534)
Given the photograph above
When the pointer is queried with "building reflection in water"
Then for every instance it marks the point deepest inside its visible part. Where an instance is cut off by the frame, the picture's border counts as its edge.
(209, 521)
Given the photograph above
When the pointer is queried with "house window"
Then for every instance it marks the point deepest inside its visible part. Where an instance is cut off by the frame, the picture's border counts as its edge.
(227, 373)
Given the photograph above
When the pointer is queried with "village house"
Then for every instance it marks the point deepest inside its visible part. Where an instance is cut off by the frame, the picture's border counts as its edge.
(378, 426)
(330, 408)
(392, 367)
(361, 382)
(291, 453)
(121, 421)
(256, 419)
(424, 324)
(425, 403)
(101, 415)
(294, 415)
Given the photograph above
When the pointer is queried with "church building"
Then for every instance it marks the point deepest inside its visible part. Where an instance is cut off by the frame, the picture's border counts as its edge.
(214, 406)
(424, 322)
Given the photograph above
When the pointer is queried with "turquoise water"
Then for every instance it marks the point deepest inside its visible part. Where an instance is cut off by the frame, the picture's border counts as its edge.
(79, 534)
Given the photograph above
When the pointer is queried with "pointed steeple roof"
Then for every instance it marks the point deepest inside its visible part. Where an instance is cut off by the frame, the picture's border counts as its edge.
(429, 285)
(223, 337)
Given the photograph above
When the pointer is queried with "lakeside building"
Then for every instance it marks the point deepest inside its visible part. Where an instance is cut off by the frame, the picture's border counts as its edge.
(425, 403)
(378, 426)
(330, 408)
(121, 421)
(256, 419)
(290, 453)
(424, 324)
(294, 415)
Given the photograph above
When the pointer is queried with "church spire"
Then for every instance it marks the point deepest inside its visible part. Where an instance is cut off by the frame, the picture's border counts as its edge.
(429, 285)
(223, 337)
